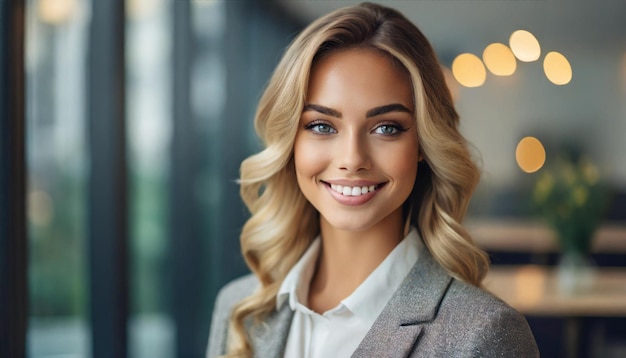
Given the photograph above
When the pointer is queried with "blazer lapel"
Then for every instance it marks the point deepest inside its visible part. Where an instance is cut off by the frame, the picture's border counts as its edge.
(397, 329)
(269, 338)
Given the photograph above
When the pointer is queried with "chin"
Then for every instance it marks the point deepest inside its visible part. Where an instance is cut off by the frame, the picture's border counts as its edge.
(351, 224)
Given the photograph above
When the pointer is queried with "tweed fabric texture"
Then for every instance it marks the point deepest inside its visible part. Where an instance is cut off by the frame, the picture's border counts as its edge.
(430, 315)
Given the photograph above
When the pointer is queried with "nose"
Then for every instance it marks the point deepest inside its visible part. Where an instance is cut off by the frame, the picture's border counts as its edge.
(353, 153)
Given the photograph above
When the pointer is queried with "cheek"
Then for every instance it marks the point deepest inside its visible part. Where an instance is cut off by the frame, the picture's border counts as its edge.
(309, 158)
(401, 163)
(404, 169)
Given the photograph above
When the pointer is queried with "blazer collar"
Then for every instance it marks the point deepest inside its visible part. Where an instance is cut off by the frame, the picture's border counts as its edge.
(270, 337)
(394, 332)
(416, 302)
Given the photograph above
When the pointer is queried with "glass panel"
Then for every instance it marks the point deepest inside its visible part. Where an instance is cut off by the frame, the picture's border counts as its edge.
(56, 42)
(208, 103)
(148, 95)
(239, 45)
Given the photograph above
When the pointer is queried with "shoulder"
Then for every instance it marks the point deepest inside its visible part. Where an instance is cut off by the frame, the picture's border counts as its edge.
(479, 307)
(474, 296)
(483, 324)
(231, 294)
(236, 290)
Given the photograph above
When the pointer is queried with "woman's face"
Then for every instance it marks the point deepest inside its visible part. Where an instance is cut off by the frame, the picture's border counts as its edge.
(356, 149)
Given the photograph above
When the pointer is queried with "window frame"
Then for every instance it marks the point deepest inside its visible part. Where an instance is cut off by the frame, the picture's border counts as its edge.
(13, 235)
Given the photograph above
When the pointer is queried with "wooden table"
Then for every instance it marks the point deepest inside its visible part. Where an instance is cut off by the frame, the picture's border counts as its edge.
(534, 290)
(535, 237)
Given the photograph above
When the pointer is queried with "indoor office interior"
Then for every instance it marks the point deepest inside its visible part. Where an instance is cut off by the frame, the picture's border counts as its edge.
(123, 124)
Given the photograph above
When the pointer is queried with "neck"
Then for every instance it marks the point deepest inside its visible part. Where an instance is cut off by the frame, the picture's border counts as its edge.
(347, 258)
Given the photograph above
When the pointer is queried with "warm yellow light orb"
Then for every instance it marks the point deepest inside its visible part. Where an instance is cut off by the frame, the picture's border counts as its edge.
(469, 70)
(557, 68)
(529, 283)
(499, 59)
(525, 46)
(56, 11)
(530, 154)
(138, 9)
(40, 208)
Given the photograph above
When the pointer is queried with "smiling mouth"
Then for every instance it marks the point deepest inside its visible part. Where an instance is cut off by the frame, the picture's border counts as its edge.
(353, 190)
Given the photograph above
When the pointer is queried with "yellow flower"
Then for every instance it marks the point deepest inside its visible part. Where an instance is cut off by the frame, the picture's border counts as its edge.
(569, 174)
(580, 195)
(543, 188)
(590, 172)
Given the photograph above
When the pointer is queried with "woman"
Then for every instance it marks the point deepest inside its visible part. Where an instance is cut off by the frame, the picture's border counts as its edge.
(355, 240)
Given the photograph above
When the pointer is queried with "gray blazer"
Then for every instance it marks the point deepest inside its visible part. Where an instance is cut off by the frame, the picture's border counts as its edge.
(430, 315)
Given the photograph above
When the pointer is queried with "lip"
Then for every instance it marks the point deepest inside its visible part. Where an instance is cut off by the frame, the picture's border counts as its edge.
(352, 200)
(346, 182)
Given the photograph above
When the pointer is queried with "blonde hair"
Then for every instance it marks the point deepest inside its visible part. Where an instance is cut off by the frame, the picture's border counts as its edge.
(283, 223)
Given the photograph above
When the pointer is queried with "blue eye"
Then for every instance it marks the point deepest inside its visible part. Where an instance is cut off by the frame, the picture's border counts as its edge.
(388, 129)
(320, 128)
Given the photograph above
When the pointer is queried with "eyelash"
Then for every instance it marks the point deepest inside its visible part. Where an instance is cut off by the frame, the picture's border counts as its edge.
(311, 127)
(398, 129)
(316, 124)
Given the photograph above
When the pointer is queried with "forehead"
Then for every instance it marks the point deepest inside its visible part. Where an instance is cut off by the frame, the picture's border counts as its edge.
(356, 73)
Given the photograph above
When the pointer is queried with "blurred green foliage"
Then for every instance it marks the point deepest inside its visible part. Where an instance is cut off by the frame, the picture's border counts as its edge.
(58, 266)
(149, 228)
(572, 199)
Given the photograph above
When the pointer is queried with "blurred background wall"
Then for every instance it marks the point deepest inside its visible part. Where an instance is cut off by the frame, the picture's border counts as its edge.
(132, 164)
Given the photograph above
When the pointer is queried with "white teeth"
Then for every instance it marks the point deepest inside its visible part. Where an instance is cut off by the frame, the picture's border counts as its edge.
(352, 191)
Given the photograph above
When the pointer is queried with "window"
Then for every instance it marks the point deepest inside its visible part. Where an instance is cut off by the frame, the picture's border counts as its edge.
(56, 48)
(138, 114)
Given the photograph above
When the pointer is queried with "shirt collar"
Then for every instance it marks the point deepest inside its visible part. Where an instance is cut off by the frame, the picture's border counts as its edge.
(369, 299)
(295, 286)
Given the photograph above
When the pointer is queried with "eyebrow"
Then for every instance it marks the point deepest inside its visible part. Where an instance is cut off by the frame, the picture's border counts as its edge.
(321, 109)
(377, 111)
(395, 107)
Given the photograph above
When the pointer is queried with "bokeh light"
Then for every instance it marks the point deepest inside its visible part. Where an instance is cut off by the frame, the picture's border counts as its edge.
(525, 46)
(139, 9)
(557, 68)
(530, 154)
(56, 11)
(530, 283)
(499, 59)
(40, 208)
(469, 70)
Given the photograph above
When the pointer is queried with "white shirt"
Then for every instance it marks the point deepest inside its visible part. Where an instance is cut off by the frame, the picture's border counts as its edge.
(339, 331)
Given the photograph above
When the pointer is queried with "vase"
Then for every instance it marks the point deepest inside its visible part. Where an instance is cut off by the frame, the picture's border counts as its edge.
(575, 273)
